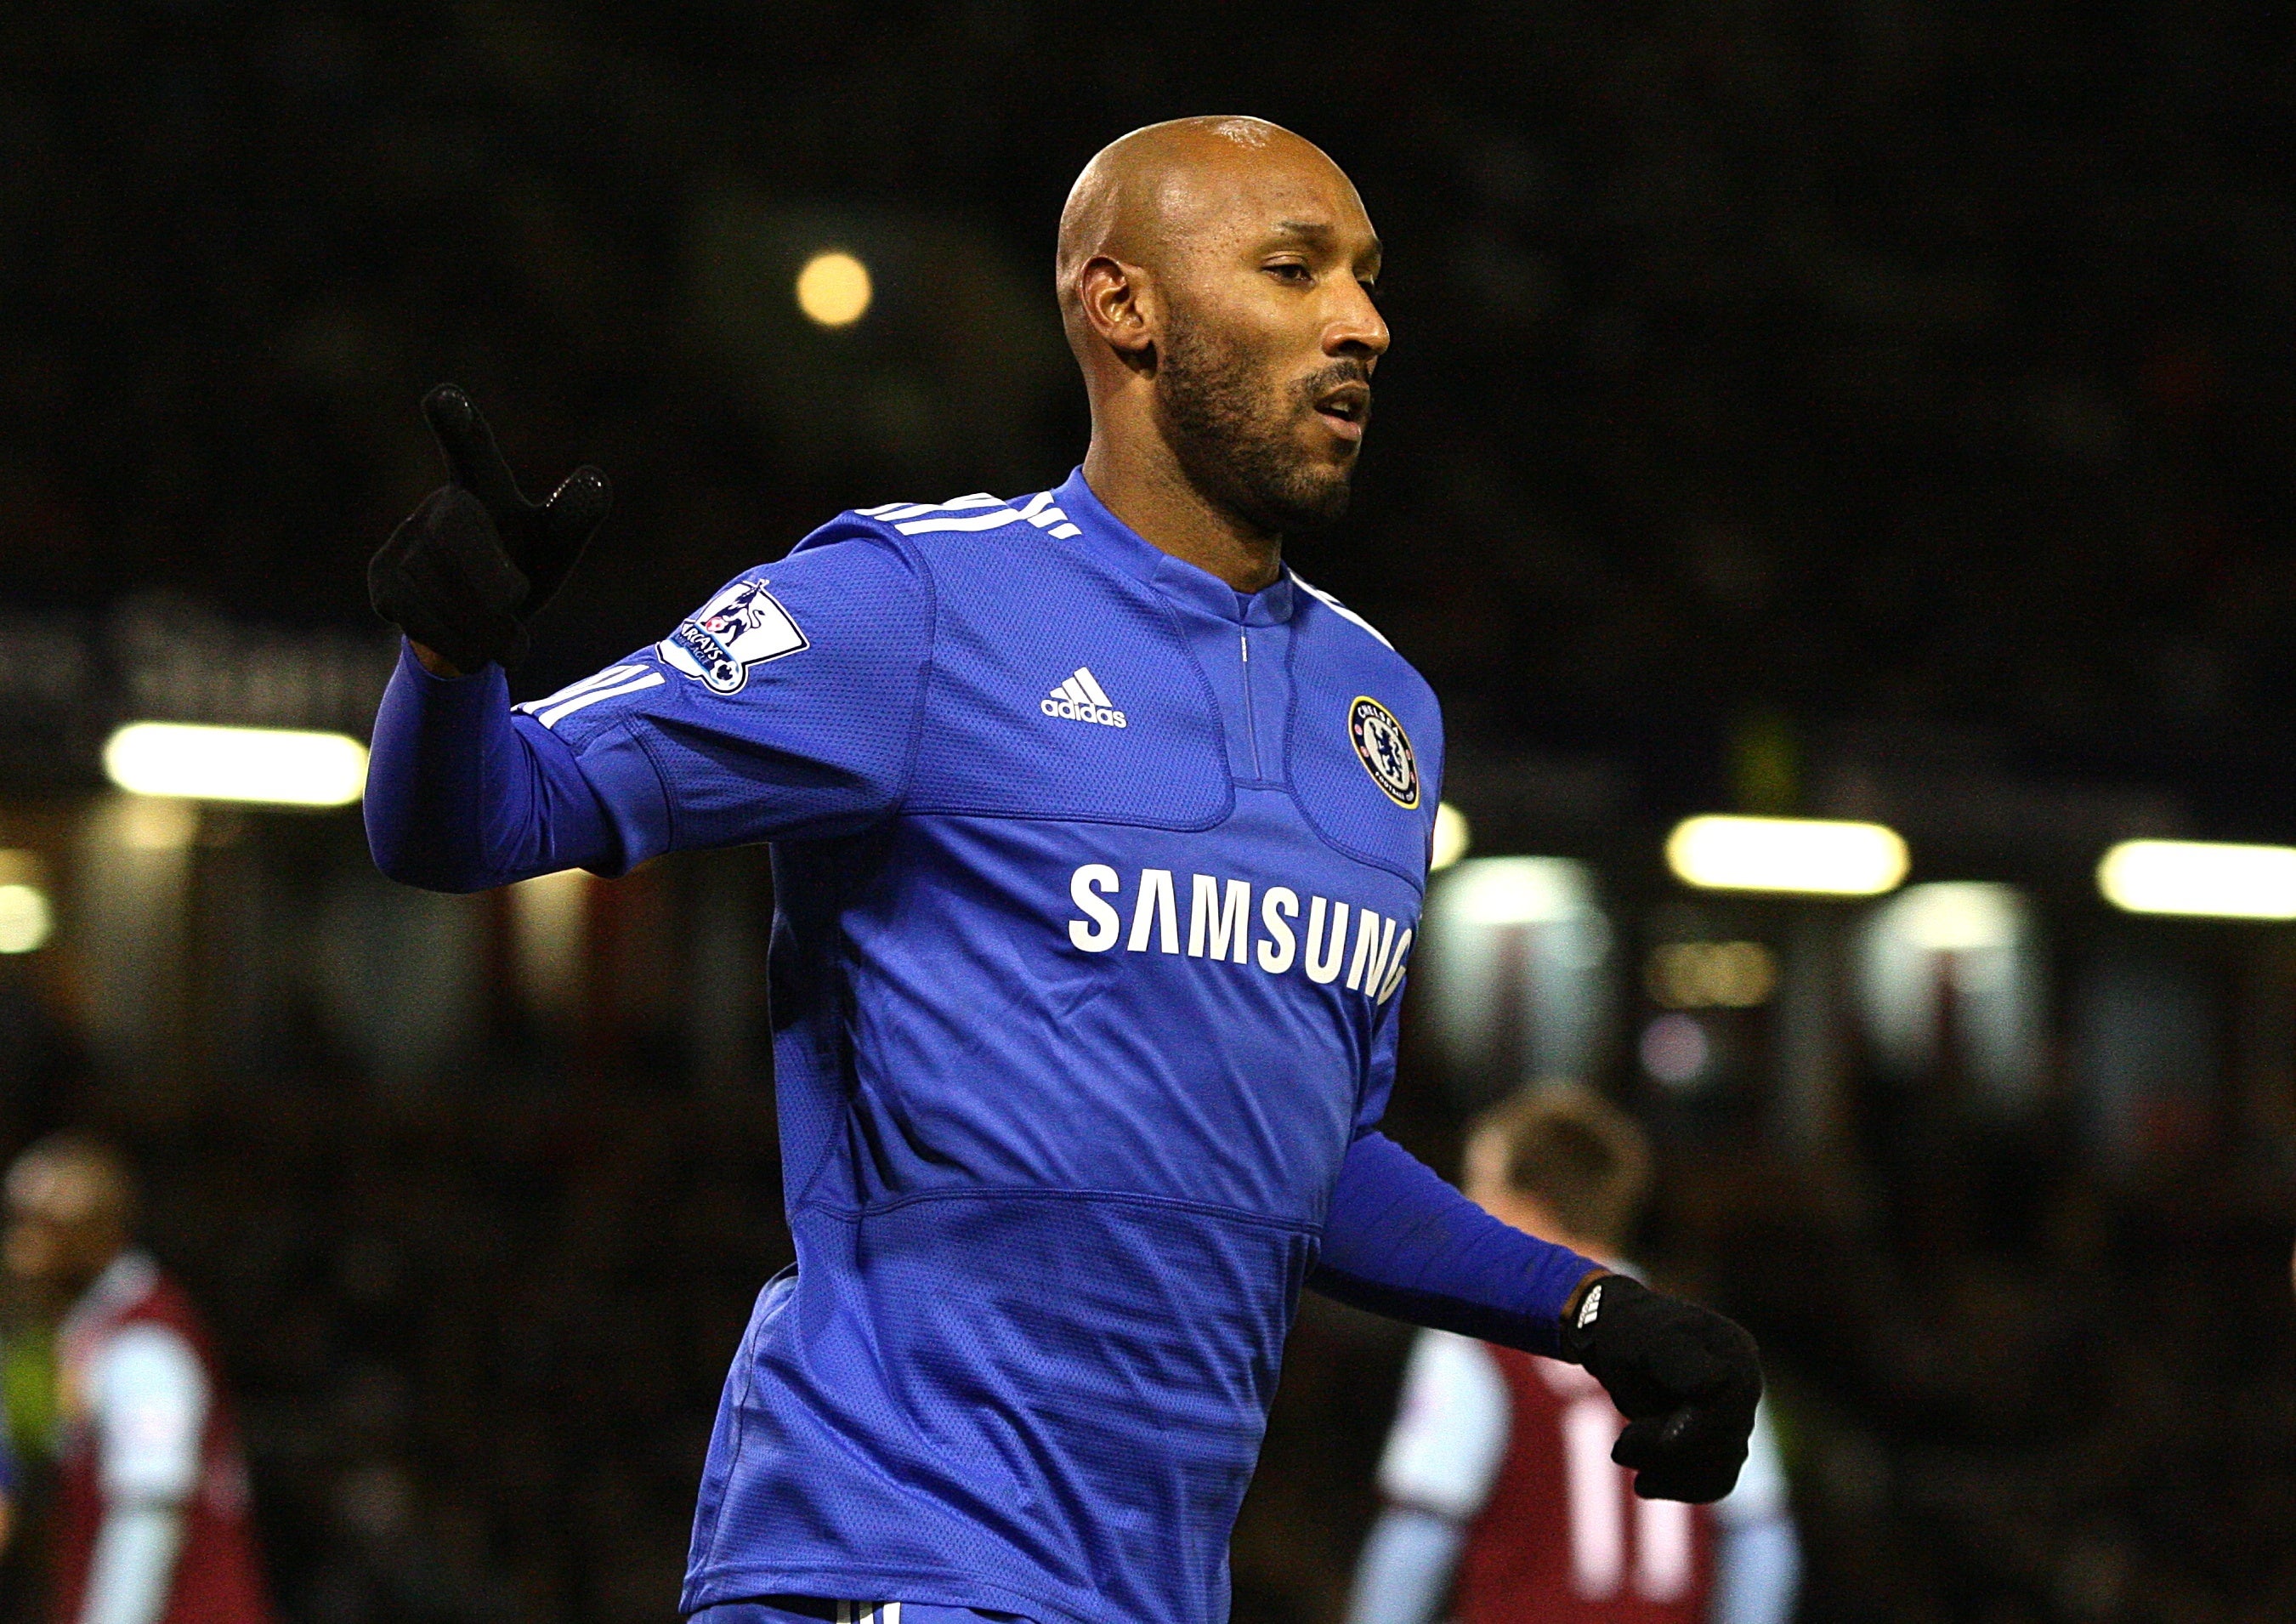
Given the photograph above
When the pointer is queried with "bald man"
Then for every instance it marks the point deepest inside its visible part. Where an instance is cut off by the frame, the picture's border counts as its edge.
(153, 1522)
(1099, 838)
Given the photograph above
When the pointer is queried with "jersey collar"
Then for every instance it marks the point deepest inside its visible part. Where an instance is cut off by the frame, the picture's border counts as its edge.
(126, 1280)
(1118, 543)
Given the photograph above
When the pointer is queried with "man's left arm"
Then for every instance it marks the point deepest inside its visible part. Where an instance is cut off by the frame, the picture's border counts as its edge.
(1399, 1240)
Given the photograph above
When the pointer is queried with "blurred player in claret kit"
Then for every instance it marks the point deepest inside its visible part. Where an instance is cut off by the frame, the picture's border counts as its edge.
(153, 1519)
(1099, 839)
(1500, 1490)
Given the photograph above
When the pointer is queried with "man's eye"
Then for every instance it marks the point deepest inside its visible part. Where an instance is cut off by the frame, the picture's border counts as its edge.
(1289, 272)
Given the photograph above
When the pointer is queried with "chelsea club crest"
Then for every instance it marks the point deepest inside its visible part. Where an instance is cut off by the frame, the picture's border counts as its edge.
(1385, 750)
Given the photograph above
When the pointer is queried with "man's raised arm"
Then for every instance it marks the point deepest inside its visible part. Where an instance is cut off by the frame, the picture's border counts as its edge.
(457, 799)
(786, 708)
(460, 798)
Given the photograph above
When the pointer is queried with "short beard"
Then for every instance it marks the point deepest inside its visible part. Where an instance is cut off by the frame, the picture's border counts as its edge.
(1234, 437)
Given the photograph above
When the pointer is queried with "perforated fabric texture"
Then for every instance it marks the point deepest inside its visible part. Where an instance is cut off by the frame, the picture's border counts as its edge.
(1022, 613)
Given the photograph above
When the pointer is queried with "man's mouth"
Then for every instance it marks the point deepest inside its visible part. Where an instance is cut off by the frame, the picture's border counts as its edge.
(1346, 409)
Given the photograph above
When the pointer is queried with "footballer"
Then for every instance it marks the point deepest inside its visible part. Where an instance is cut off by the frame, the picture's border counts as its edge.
(1099, 840)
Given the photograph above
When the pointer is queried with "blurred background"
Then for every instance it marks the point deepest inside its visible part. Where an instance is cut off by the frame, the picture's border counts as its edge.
(1875, 410)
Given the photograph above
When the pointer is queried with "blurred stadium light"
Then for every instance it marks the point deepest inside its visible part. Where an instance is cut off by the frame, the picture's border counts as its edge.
(950, 378)
(131, 889)
(2200, 878)
(1949, 976)
(26, 915)
(1518, 983)
(1453, 837)
(1711, 974)
(549, 926)
(270, 765)
(833, 290)
(1798, 856)
(1676, 1051)
(25, 918)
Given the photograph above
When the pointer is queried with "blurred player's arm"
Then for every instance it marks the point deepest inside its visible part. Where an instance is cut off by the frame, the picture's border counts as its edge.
(1757, 1553)
(1406, 1568)
(465, 794)
(151, 1410)
(1442, 1457)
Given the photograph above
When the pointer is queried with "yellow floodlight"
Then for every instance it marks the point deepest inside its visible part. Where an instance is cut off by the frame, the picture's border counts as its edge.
(1453, 836)
(2205, 879)
(833, 290)
(25, 918)
(1799, 856)
(272, 765)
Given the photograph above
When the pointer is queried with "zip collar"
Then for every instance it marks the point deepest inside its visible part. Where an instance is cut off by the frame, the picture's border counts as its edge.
(1120, 545)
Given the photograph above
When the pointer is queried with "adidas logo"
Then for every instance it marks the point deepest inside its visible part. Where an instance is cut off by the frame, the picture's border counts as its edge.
(1080, 699)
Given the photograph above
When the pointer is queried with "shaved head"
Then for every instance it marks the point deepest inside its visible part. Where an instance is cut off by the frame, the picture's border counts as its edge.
(1151, 197)
(1214, 277)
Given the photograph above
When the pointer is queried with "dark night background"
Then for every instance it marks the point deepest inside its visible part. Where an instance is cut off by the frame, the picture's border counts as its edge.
(1880, 407)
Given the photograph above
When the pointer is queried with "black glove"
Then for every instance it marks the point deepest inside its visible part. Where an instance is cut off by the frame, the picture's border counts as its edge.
(1685, 1379)
(466, 570)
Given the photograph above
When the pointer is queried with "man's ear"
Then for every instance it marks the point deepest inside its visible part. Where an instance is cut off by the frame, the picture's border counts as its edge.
(1119, 306)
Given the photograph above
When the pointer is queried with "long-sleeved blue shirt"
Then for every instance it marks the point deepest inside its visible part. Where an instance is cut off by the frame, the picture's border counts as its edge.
(1095, 884)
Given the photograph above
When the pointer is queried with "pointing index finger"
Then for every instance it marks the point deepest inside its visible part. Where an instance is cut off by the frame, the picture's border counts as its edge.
(473, 460)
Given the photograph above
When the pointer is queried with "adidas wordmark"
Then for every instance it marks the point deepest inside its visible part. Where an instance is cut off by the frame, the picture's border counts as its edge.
(1081, 699)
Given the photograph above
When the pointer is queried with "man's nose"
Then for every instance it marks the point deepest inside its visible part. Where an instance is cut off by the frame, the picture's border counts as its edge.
(1359, 329)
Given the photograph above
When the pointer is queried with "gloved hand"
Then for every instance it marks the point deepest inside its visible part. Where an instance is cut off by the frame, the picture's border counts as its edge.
(1685, 1379)
(464, 573)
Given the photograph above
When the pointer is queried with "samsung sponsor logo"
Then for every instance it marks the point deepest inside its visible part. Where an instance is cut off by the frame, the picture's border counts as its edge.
(1312, 934)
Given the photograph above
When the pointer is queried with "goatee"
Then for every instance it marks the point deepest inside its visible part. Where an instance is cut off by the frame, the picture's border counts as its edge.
(1233, 435)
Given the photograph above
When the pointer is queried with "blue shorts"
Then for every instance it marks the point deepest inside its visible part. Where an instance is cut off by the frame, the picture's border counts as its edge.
(814, 1609)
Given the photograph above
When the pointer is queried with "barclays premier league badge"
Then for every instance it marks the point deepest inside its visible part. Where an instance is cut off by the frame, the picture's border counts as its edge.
(742, 626)
(1385, 750)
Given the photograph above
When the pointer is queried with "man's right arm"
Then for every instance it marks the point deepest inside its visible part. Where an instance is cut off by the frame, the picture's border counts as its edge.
(150, 1403)
(785, 707)
(460, 799)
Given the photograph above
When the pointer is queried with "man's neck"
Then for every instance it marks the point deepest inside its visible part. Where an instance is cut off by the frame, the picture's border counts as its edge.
(1148, 490)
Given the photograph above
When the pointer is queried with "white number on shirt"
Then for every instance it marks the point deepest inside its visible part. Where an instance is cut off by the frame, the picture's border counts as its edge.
(1598, 1494)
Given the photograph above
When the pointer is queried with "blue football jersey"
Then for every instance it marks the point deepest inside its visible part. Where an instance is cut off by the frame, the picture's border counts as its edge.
(1095, 883)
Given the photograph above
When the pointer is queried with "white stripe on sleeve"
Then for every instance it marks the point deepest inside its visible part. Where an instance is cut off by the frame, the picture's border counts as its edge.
(596, 679)
(552, 717)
